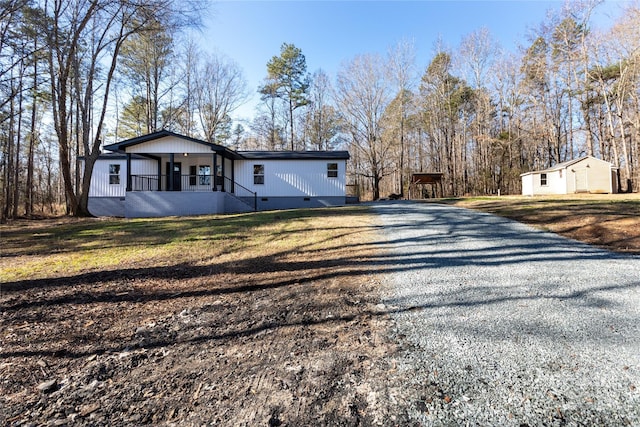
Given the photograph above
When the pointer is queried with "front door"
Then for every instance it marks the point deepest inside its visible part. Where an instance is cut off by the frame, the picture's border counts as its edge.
(176, 176)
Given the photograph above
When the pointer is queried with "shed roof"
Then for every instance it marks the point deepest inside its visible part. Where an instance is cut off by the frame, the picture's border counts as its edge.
(564, 165)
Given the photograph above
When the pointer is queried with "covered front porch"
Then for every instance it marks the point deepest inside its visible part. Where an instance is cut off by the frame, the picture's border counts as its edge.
(184, 172)
(179, 176)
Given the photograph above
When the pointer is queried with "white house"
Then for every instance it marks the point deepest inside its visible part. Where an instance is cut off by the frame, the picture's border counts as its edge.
(164, 174)
(584, 175)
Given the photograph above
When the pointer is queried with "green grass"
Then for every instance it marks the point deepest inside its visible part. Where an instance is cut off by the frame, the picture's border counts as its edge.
(41, 249)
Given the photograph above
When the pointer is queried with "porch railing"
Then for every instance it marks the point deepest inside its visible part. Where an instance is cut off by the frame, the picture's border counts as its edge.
(180, 182)
(193, 183)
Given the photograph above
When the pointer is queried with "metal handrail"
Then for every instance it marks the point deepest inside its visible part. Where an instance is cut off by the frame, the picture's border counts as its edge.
(243, 194)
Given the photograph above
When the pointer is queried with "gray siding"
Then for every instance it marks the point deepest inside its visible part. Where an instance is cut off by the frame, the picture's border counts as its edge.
(275, 203)
(172, 203)
(106, 206)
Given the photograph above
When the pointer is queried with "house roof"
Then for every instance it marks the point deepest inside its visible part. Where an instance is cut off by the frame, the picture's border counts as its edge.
(116, 156)
(121, 147)
(294, 155)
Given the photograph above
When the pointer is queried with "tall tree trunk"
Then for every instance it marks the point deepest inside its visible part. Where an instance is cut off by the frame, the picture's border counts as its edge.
(16, 179)
(29, 202)
(8, 178)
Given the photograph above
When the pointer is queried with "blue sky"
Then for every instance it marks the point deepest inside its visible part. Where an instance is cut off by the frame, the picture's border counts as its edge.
(332, 32)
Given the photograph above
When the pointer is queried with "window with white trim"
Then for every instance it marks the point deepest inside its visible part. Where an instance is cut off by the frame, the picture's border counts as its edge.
(332, 170)
(543, 179)
(114, 174)
(258, 174)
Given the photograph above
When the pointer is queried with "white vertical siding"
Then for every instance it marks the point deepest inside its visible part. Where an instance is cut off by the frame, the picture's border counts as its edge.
(169, 144)
(143, 167)
(527, 184)
(100, 186)
(291, 178)
(554, 183)
(591, 175)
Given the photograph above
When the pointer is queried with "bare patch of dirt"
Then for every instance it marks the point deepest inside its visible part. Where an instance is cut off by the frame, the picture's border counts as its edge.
(297, 339)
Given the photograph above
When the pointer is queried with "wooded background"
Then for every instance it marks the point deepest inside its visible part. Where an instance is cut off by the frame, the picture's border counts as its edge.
(76, 74)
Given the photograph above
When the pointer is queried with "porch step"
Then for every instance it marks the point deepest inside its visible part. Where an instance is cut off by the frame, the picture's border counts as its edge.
(234, 204)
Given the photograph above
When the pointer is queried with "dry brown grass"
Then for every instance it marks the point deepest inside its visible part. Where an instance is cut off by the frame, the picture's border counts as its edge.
(611, 221)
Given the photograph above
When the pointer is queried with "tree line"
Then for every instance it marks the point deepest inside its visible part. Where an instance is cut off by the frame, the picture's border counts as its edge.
(76, 73)
(483, 116)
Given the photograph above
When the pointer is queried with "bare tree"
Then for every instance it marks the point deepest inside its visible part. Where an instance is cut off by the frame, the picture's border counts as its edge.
(83, 37)
(322, 122)
(220, 89)
(402, 61)
(362, 95)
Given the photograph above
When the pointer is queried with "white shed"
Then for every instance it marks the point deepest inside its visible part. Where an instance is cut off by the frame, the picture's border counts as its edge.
(584, 175)
(164, 174)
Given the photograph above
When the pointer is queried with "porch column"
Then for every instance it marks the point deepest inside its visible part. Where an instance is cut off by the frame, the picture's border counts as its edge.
(170, 172)
(223, 174)
(233, 176)
(159, 174)
(128, 171)
(215, 171)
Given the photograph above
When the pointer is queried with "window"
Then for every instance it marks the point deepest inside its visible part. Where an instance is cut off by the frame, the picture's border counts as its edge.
(543, 179)
(114, 174)
(204, 173)
(332, 170)
(258, 174)
(199, 175)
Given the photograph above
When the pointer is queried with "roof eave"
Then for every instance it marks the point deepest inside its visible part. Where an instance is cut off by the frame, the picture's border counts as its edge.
(122, 145)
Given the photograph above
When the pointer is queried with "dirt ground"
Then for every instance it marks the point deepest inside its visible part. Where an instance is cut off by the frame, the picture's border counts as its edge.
(297, 339)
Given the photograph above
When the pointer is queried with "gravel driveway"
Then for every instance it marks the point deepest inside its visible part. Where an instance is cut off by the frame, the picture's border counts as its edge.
(507, 325)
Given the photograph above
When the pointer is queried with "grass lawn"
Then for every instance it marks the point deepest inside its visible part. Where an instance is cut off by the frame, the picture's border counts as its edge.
(67, 246)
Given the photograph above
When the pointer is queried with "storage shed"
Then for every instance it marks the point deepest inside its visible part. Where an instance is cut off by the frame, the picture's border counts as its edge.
(584, 175)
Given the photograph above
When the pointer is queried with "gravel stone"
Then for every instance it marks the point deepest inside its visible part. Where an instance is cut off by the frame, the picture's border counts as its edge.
(509, 325)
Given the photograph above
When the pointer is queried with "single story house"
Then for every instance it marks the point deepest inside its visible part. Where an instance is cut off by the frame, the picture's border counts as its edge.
(165, 174)
(584, 175)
